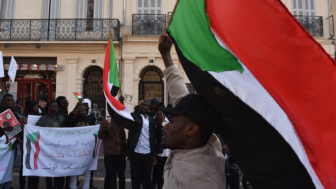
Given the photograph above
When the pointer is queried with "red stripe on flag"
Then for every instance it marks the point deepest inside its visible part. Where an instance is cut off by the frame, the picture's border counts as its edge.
(291, 66)
(37, 147)
(107, 91)
(97, 147)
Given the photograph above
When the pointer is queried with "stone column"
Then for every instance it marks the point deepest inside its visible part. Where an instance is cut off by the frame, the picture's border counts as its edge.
(72, 80)
(127, 85)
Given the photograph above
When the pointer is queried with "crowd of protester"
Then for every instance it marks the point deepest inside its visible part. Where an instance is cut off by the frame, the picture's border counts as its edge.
(170, 148)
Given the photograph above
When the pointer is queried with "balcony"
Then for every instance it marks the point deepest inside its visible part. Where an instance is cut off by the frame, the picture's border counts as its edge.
(314, 24)
(148, 24)
(59, 29)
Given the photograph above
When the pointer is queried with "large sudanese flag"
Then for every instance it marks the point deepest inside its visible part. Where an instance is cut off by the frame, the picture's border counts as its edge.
(271, 82)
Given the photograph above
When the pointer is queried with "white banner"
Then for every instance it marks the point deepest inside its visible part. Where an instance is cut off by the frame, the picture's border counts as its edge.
(7, 161)
(58, 152)
(2, 68)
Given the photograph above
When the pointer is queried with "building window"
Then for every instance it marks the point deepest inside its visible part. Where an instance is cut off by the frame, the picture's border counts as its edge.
(149, 7)
(89, 14)
(303, 7)
(93, 90)
(151, 84)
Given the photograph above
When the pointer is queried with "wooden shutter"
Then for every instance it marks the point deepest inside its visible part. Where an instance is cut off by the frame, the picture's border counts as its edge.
(10, 9)
(149, 7)
(80, 13)
(303, 7)
(3, 9)
(80, 9)
(55, 12)
(98, 15)
(139, 8)
(98, 9)
(55, 9)
(45, 9)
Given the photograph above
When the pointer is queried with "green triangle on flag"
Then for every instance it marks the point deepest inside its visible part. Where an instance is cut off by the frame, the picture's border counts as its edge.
(190, 27)
(33, 137)
(96, 133)
(114, 76)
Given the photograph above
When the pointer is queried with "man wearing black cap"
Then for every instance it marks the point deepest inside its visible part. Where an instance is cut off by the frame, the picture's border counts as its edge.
(196, 160)
(33, 181)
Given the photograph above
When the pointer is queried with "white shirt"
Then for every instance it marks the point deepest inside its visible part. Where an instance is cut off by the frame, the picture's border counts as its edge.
(143, 146)
(166, 151)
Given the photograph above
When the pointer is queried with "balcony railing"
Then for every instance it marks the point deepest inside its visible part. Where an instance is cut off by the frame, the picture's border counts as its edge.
(59, 29)
(148, 24)
(314, 24)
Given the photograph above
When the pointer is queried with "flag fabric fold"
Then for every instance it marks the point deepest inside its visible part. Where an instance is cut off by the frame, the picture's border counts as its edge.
(271, 85)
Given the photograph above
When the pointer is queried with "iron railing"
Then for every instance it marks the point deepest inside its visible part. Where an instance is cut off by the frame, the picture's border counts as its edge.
(59, 29)
(148, 24)
(314, 24)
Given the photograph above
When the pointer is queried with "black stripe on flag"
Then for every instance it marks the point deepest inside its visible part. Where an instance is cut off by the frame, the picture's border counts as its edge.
(114, 90)
(28, 149)
(262, 154)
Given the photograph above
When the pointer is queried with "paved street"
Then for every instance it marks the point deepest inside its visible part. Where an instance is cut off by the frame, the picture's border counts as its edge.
(98, 175)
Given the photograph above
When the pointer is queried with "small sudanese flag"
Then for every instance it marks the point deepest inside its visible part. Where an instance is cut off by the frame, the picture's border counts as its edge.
(33, 150)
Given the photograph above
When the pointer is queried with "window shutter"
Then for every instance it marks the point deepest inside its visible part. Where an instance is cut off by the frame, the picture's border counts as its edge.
(45, 9)
(98, 9)
(80, 11)
(3, 9)
(98, 14)
(55, 9)
(10, 9)
(55, 12)
(139, 8)
(303, 7)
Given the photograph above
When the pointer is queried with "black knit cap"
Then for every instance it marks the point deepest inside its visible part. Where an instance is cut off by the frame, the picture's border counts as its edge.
(197, 109)
(30, 105)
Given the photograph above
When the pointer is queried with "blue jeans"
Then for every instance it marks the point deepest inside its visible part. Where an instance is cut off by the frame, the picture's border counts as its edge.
(6, 185)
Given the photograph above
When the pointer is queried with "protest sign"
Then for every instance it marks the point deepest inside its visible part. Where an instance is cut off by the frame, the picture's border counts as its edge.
(58, 152)
(2, 69)
(12, 69)
(7, 119)
(7, 161)
(32, 119)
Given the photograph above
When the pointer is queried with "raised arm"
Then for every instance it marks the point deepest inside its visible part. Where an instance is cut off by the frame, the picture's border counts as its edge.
(177, 89)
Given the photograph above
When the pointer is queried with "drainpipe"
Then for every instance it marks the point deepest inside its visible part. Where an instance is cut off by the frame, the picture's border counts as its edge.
(120, 61)
(124, 15)
(330, 24)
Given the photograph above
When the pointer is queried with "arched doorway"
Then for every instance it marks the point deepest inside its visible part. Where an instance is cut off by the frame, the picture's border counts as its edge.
(93, 90)
(151, 84)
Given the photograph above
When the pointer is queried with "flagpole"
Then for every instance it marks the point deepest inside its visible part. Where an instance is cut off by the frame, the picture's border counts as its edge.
(173, 13)
(121, 93)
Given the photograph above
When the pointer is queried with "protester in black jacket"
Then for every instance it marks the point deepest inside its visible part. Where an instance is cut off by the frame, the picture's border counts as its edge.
(141, 146)
(78, 118)
(63, 104)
